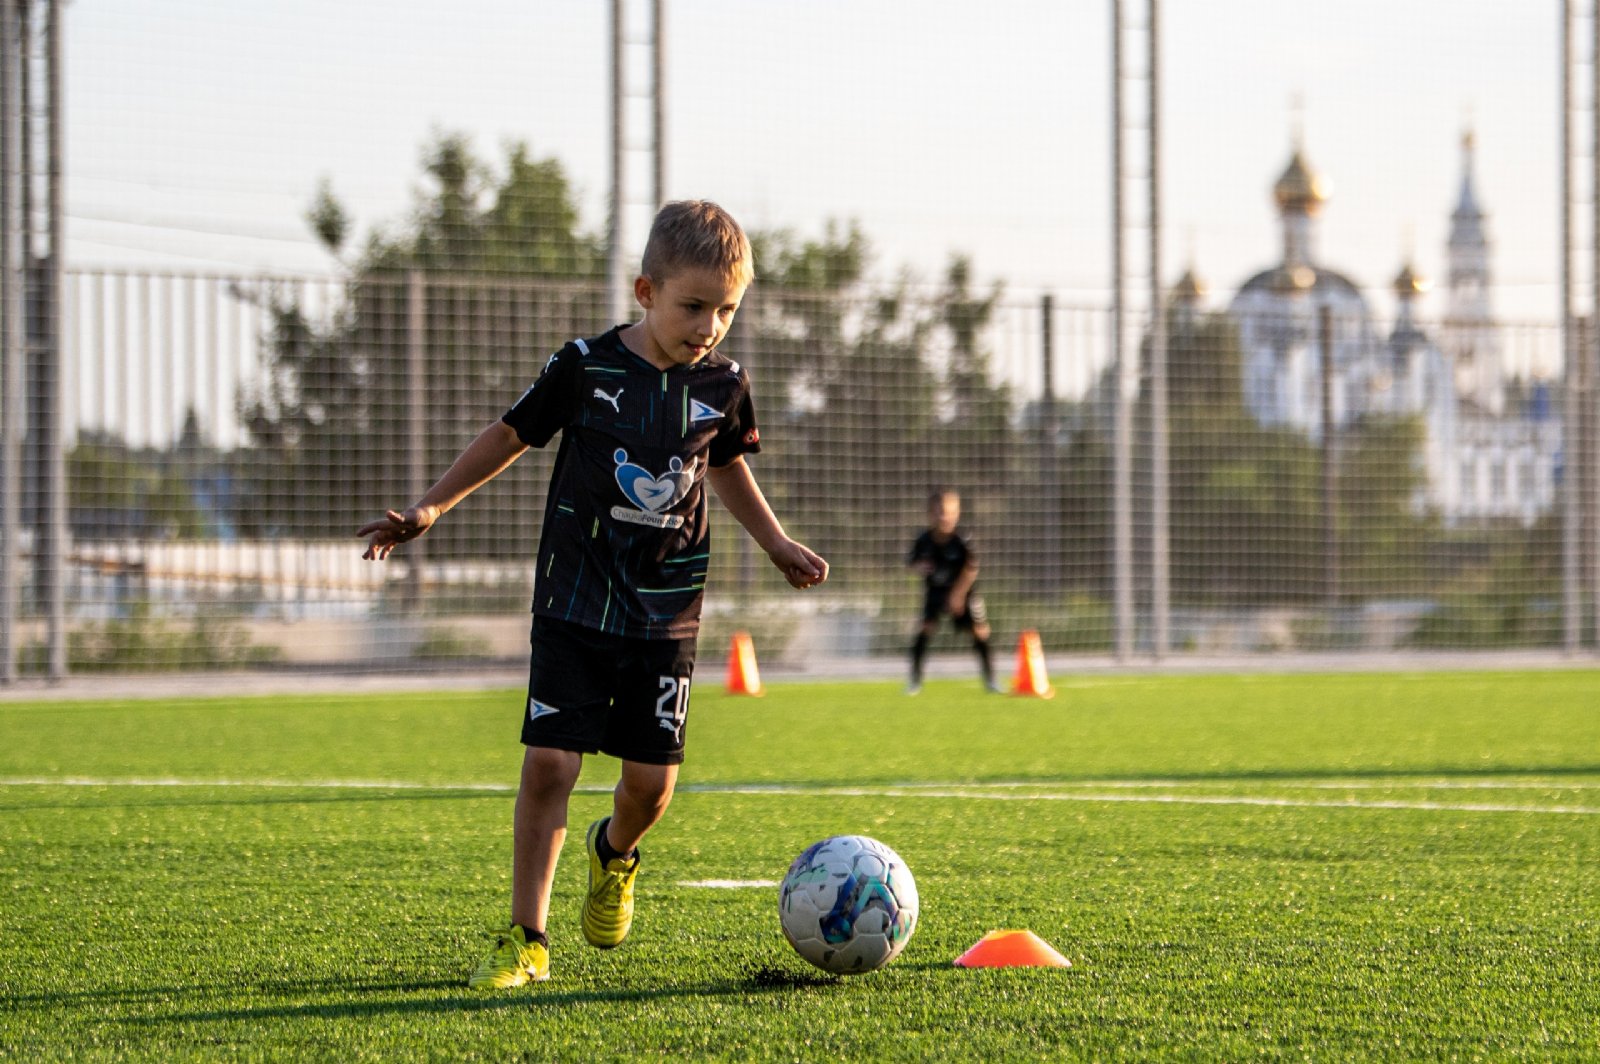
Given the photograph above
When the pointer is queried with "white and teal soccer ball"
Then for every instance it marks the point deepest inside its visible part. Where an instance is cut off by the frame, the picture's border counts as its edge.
(848, 904)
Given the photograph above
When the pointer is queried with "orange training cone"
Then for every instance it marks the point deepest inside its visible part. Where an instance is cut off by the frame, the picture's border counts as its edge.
(1012, 949)
(1031, 678)
(743, 676)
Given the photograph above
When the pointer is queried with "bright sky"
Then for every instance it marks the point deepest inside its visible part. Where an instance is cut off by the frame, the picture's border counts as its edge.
(198, 130)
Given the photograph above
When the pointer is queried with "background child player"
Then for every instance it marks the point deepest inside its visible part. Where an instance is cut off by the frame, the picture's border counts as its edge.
(949, 568)
(648, 414)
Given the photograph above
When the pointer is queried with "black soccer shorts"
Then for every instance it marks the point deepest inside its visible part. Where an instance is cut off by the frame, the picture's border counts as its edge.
(598, 693)
(936, 603)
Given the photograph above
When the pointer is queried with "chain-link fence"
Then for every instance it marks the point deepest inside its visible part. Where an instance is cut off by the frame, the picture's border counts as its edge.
(231, 433)
(1346, 464)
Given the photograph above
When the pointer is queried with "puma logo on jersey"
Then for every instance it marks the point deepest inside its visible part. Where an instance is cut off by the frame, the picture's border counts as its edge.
(612, 399)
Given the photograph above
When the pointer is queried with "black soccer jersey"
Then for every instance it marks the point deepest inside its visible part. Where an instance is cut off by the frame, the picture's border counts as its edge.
(626, 541)
(948, 558)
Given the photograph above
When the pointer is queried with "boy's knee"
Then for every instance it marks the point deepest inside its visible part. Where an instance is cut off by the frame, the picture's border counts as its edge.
(548, 771)
(648, 786)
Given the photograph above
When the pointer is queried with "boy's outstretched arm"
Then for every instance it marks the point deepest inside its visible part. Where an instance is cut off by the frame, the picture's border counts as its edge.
(736, 486)
(496, 447)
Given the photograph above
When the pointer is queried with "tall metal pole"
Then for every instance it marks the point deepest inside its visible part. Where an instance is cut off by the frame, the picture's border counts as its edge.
(1571, 604)
(1160, 553)
(1589, 350)
(52, 429)
(1050, 528)
(658, 98)
(1124, 371)
(12, 338)
(616, 266)
(1330, 458)
(416, 422)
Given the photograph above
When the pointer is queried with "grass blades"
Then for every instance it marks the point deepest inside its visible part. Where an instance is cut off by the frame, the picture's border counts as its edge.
(1334, 867)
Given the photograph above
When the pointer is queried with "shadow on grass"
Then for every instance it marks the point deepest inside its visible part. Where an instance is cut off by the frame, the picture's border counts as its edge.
(134, 995)
(754, 981)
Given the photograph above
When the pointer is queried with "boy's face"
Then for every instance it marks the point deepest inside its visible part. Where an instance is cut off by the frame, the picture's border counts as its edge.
(944, 513)
(686, 315)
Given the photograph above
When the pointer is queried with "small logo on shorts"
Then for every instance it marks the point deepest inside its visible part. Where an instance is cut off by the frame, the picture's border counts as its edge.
(537, 709)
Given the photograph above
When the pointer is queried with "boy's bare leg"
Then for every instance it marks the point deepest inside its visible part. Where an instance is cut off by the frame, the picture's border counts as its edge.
(639, 801)
(548, 776)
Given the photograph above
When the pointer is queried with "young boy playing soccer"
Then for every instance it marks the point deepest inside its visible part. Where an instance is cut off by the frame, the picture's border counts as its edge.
(949, 568)
(648, 414)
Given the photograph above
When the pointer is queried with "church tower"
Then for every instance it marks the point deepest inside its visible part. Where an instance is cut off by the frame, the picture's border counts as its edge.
(1299, 194)
(1468, 335)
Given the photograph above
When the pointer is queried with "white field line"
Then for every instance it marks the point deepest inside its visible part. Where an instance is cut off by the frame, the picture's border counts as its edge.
(1006, 793)
(1418, 783)
(310, 785)
(727, 884)
(1175, 799)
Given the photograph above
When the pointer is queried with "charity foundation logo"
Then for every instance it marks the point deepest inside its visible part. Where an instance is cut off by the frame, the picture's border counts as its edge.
(651, 494)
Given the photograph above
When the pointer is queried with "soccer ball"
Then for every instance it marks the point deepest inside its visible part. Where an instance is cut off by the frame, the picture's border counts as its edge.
(848, 904)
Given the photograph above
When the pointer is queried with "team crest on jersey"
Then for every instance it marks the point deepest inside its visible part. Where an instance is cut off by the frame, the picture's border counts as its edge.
(699, 412)
(650, 493)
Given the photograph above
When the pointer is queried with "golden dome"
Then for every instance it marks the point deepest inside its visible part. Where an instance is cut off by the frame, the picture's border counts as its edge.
(1299, 189)
(1409, 283)
(1189, 287)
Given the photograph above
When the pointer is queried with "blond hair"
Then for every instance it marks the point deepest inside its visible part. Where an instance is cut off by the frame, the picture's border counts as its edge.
(697, 234)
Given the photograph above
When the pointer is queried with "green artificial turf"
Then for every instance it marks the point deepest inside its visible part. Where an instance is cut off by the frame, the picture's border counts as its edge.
(1385, 866)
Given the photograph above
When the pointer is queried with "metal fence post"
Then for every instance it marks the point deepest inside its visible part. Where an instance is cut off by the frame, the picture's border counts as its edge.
(1330, 461)
(12, 339)
(1571, 604)
(416, 422)
(1050, 538)
(1160, 479)
(1587, 458)
(52, 527)
(1125, 370)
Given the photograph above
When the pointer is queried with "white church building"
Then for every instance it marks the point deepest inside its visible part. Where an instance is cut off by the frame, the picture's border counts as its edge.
(1487, 457)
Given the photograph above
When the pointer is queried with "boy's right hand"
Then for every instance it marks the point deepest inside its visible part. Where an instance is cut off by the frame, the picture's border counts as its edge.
(393, 529)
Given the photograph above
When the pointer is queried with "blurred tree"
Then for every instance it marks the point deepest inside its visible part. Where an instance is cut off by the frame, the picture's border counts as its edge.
(1245, 499)
(328, 219)
(329, 416)
(1386, 533)
(845, 394)
(872, 393)
(117, 492)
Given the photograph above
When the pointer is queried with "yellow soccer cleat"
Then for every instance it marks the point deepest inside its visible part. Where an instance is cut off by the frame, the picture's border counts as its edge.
(608, 909)
(513, 961)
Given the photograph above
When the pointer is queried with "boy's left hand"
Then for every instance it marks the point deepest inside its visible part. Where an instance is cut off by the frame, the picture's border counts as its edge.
(799, 564)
